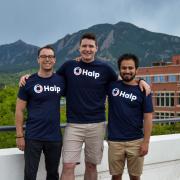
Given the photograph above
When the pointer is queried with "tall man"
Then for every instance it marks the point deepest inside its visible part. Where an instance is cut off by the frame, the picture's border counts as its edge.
(130, 121)
(41, 96)
(86, 93)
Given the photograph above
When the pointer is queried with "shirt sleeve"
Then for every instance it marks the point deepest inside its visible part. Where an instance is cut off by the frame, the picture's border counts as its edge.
(112, 75)
(63, 86)
(61, 70)
(148, 105)
(22, 94)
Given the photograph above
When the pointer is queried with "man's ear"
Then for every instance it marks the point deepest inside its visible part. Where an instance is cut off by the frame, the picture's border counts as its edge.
(38, 60)
(97, 48)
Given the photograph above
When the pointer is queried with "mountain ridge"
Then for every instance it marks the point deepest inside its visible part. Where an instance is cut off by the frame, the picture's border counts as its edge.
(113, 40)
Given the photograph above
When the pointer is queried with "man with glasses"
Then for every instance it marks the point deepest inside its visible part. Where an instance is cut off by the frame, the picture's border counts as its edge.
(41, 96)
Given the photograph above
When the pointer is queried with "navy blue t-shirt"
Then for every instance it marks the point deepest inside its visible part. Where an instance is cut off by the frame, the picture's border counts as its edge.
(127, 105)
(43, 106)
(86, 90)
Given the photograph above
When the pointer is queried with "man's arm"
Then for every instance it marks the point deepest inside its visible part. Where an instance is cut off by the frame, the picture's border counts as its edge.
(19, 118)
(23, 79)
(147, 133)
(144, 86)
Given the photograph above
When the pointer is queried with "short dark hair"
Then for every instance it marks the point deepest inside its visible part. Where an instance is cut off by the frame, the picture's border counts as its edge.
(128, 56)
(46, 47)
(89, 35)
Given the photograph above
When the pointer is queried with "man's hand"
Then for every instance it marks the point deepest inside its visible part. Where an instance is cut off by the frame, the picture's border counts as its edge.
(145, 86)
(78, 59)
(20, 142)
(23, 79)
(144, 148)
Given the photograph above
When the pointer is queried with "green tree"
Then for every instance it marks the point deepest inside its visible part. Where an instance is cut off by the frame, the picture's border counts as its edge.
(7, 105)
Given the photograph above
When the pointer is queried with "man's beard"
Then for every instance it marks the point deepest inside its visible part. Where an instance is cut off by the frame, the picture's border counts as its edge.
(127, 79)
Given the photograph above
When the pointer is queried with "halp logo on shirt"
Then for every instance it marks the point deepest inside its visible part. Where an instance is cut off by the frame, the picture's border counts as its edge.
(39, 88)
(117, 92)
(79, 71)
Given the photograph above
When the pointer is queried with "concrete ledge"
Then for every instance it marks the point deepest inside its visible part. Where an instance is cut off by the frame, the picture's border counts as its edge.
(162, 162)
(163, 148)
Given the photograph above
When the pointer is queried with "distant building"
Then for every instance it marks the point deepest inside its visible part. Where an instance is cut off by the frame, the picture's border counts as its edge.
(164, 78)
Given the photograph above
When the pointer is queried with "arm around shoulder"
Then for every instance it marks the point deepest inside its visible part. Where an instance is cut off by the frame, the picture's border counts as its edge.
(23, 79)
(144, 86)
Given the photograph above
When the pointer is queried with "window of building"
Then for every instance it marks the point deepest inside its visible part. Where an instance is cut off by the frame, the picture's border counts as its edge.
(178, 98)
(148, 79)
(165, 99)
(178, 78)
(171, 115)
(159, 79)
(156, 115)
(156, 79)
(171, 78)
(164, 115)
(162, 79)
(171, 99)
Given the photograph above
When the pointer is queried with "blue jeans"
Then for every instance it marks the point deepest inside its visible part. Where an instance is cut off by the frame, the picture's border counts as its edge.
(32, 154)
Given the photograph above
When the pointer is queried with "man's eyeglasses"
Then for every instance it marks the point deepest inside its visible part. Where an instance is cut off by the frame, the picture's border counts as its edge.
(45, 57)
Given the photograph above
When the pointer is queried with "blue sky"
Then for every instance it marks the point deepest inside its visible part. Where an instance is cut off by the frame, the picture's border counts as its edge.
(40, 22)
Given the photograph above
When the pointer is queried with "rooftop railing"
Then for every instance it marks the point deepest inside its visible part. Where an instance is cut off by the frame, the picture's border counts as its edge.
(155, 121)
